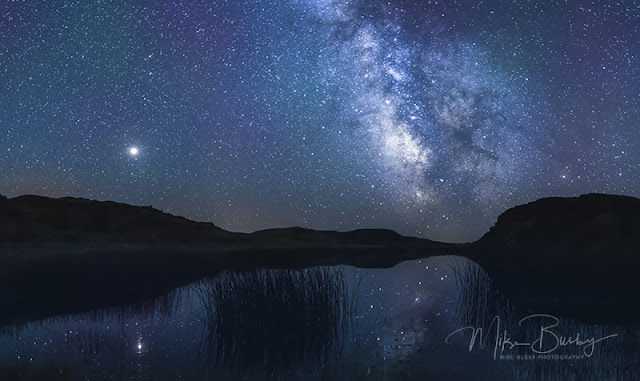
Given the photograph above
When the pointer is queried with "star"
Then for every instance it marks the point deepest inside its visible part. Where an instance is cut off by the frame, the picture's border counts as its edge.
(390, 109)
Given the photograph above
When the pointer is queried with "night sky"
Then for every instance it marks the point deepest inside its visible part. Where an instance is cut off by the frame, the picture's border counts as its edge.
(426, 117)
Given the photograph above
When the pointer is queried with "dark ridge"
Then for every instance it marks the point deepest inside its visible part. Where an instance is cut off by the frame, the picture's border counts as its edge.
(36, 219)
(360, 236)
(589, 223)
(575, 255)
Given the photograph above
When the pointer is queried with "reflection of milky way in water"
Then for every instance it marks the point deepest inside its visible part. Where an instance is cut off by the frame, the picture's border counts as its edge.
(408, 309)
(401, 320)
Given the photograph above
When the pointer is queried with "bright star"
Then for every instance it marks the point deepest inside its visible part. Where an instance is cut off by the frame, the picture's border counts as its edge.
(133, 151)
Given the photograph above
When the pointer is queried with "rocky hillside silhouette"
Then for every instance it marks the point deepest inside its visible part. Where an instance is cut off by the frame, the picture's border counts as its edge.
(361, 236)
(567, 254)
(36, 219)
(589, 223)
(42, 219)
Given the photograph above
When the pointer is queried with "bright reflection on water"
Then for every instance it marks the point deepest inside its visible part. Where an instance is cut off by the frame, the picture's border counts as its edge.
(319, 323)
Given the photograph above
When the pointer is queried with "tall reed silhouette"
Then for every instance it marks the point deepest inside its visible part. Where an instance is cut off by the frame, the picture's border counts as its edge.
(275, 321)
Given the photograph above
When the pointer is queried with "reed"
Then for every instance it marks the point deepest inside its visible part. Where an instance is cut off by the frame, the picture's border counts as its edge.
(478, 300)
(275, 321)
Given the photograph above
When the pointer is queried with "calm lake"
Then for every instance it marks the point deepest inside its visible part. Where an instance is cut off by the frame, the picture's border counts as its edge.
(437, 318)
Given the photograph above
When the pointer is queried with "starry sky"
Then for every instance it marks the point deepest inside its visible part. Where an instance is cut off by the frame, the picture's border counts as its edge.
(426, 117)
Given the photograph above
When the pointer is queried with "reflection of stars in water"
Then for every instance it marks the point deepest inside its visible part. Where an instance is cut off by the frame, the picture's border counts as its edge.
(404, 312)
(416, 311)
(85, 344)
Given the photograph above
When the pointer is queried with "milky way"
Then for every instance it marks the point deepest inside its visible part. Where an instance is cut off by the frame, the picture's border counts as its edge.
(437, 112)
(427, 117)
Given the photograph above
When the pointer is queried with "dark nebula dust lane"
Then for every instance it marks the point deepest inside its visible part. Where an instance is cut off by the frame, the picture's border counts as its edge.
(426, 117)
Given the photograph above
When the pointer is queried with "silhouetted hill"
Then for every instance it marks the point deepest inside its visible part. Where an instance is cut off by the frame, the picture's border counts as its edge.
(361, 236)
(567, 254)
(78, 221)
(589, 223)
(43, 219)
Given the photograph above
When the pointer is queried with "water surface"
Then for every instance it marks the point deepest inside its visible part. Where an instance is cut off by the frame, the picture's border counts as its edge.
(320, 323)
